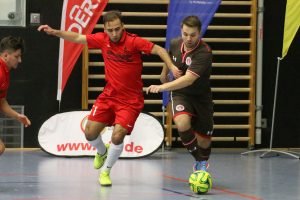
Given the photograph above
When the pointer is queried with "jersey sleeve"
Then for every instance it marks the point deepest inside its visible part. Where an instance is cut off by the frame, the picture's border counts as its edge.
(95, 40)
(3, 86)
(3, 94)
(3, 89)
(143, 45)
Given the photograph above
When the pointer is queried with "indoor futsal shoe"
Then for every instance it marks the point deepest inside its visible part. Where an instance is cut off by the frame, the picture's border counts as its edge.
(104, 179)
(201, 165)
(100, 159)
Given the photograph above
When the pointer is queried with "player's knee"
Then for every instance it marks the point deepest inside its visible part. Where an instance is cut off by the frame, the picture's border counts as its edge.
(2, 148)
(204, 142)
(117, 138)
(182, 127)
(89, 135)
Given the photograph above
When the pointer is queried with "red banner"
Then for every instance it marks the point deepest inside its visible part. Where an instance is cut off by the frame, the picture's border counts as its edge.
(77, 16)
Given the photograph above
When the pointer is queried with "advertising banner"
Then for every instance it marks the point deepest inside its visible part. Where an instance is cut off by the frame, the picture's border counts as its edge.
(62, 135)
(78, 16)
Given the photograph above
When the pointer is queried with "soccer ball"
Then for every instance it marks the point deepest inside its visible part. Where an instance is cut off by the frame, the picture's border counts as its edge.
(200, 182)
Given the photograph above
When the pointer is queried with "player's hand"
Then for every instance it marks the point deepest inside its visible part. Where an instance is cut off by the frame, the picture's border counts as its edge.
(175, 71)
(47, 29)
(154, 89)
(24, 120)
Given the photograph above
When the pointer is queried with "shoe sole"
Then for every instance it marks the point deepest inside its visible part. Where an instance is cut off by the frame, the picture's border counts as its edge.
(106, 185)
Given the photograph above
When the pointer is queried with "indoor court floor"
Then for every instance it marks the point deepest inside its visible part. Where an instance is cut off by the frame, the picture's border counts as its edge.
(35, 175)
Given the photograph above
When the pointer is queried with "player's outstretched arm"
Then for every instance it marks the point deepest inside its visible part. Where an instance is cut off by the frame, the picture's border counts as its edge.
(24, 120)
(176, 84)
(164, 75)
(7, 110)
(163, 54)
(67, 35)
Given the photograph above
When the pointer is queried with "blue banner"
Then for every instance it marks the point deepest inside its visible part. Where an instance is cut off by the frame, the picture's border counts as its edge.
(178, 10)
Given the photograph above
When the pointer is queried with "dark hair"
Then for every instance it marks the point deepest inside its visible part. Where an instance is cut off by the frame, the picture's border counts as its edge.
(192, 21)
(111, 16)
(11, 43)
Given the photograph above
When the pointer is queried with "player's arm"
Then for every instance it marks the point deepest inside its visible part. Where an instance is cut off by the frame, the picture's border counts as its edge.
(182, 82)
(66, 35)
(164, 75)
(163, 54)
(7, 110)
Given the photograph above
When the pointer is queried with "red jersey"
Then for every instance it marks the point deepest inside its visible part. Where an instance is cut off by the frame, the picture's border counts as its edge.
(4, 79)
(123, 64)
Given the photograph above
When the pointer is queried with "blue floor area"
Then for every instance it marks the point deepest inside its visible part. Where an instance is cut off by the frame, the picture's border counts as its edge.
(35, 175)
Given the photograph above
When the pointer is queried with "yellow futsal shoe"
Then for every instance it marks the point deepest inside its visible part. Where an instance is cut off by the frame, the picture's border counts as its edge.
(104, 179)
(100, 159)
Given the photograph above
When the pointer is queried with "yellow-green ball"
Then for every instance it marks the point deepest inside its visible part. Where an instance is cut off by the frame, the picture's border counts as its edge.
(200, 182)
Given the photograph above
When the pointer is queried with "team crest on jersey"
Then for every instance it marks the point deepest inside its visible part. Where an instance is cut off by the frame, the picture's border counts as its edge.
(179, 107)
(188, 61)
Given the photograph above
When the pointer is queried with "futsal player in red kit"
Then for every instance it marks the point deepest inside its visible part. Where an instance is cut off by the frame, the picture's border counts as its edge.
(11, 49)
(122, 99)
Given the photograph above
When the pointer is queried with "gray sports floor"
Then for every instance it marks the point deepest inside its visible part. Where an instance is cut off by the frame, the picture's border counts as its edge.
(35, 175)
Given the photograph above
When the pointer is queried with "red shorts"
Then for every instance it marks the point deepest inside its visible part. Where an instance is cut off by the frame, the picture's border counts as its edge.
(111, 111)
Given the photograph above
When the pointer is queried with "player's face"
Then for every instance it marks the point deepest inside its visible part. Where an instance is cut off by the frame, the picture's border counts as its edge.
(13, 58)
(114, 29)
(190, 36)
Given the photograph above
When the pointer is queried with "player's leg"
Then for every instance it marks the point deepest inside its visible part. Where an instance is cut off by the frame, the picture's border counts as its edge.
(204, 150)
(124, 122)
(114, 152)
(100, 116)
(2, 147)
(184, 116)
(197, 144)
(93, 135)
(116, 146)
(203, 127)
(187, 135)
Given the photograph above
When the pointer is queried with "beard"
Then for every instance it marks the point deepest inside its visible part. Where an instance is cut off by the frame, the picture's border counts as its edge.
(190, 45)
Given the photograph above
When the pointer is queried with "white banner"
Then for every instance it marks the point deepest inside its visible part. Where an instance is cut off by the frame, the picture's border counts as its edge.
(62, 135)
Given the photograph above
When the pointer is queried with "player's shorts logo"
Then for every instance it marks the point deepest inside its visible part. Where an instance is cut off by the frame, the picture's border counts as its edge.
(179, 108)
